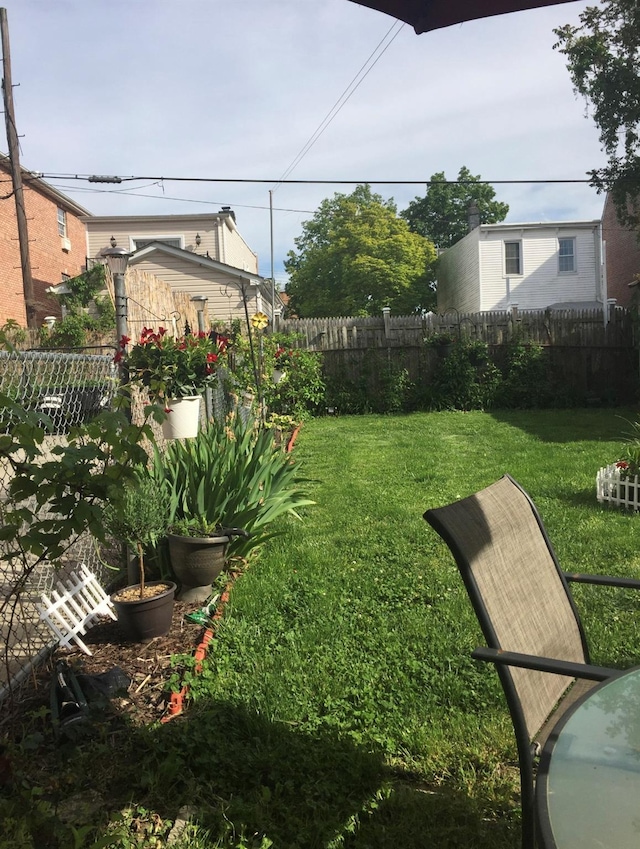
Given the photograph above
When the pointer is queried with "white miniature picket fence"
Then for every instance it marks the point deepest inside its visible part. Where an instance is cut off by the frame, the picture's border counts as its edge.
(616, 490)
(74, 606)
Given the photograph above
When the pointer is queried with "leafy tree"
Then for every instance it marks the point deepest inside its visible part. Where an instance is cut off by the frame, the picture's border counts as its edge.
(356, 256)
(603, 56)
(442, 215)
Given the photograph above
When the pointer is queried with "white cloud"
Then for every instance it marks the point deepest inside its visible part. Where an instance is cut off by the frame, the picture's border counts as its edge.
(208, 88)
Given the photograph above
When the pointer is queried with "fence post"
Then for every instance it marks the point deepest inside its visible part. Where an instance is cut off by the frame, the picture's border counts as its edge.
(386, 314)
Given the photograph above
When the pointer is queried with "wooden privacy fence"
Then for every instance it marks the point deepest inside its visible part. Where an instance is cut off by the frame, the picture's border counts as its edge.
(583, 328)
(594, 361)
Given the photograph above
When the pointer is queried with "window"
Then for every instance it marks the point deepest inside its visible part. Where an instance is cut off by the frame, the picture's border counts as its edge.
(142, 243)
(512, 258)
(62, 223)
(566, 255)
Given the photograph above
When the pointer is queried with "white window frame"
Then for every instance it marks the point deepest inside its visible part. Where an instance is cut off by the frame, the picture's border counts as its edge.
(62, 222)
(164, 237)
(561, 256)
(507, 271)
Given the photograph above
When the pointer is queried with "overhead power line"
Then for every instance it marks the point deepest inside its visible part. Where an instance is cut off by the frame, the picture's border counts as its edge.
(85, 177)
(344, 97)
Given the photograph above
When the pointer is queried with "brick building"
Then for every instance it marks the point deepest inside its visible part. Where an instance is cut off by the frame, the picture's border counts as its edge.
(57, 244)
(622, 253)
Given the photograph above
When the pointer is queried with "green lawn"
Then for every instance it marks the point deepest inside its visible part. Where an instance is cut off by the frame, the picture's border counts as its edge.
(339, 705)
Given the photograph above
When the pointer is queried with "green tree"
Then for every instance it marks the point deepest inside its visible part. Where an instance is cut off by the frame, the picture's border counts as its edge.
(356, 256)
(442, 215)
(603, 56)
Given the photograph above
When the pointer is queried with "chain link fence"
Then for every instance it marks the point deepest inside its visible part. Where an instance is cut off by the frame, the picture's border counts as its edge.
(70, 388)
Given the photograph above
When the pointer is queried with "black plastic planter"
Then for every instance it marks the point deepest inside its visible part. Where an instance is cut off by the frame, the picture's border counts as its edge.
(143, 619)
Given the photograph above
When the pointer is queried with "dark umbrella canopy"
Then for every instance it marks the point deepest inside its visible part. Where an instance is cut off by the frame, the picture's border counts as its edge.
(425, 15)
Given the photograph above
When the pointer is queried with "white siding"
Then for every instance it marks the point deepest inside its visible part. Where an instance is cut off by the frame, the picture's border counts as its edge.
(459, 276)
(541, 284)
(470, 282)
(223, 292)
(218, 234)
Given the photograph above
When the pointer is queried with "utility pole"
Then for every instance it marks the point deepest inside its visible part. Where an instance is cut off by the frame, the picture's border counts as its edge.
(273, 280)
(16, 174)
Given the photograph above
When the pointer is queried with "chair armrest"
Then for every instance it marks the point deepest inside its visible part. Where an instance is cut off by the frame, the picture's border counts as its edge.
(602, 580)
(546, 664)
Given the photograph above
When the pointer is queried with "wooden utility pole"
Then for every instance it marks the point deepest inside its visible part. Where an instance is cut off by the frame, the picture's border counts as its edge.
(16, 174)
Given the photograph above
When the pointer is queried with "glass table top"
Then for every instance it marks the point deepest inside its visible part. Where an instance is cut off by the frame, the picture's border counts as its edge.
(593, 777)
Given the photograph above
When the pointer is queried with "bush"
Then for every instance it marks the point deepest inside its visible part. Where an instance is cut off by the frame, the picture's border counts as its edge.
(301, 393)
(527, 380)
(466, 379)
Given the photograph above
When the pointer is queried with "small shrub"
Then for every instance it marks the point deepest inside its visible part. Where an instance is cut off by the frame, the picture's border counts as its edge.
(527, 381)
(466, 379)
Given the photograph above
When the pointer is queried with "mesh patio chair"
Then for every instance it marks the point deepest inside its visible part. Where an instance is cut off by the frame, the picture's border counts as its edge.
(529, 620)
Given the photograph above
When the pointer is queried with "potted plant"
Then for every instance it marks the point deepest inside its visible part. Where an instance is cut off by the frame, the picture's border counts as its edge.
(619, 482)
(175, 371)
(284, 428)
(139, 519)
(282, 362)
(442, 342)
(224, 489)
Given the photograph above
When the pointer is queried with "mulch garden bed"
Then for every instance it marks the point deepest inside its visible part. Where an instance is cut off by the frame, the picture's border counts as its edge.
(148, 665)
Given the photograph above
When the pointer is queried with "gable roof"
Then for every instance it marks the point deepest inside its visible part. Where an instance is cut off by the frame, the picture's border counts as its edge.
(196, 259)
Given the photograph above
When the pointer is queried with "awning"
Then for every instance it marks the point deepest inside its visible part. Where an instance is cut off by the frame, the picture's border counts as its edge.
(426, 15)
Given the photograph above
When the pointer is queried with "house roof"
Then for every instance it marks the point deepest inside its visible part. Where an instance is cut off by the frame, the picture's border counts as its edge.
(196, 259)
(540, 225)
(31, 179)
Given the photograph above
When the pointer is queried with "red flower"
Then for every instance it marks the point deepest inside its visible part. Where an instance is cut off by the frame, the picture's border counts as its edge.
(212, 358)
(622, 464)
(117, 357)
(124, 341)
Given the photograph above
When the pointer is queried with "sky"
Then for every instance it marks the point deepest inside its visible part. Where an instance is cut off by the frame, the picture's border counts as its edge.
(226, 95)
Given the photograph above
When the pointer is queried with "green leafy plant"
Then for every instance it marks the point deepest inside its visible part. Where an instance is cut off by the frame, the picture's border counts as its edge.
(73, 330)
(301, 393)
(466, 379)
(628, 463)
(437, 340)
(230, 475)
(170, 367)
(138, 517)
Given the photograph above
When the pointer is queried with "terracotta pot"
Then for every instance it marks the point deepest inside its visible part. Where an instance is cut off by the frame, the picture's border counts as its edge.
(143, 619)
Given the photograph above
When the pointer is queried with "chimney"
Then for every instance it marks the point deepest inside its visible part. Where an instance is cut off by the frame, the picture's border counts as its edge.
(226, 210)
(473, 216)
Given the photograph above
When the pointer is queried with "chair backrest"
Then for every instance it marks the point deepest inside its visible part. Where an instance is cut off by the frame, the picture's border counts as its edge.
(517, 589)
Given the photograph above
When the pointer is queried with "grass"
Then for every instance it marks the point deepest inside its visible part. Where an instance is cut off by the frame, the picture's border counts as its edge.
(339, 706)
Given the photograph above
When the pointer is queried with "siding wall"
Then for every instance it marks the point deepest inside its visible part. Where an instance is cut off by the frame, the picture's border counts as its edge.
(222, 291)
(220, 237)
(48, 259)
(482, 285)
(460, 275)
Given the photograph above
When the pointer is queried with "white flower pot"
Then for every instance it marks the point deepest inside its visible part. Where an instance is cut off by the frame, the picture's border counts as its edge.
(183, 418)
(613, 488)
(277, 375)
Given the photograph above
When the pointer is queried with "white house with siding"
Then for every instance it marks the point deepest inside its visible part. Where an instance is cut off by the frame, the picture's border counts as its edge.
(204, 255)
(532, 266)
